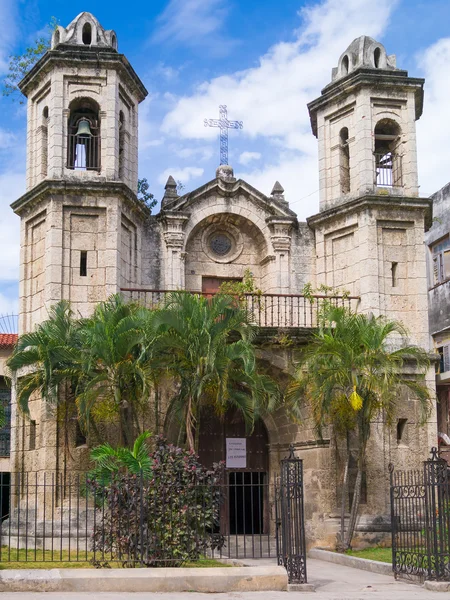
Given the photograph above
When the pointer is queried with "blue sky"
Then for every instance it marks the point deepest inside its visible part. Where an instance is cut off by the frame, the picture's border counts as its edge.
(265, 59)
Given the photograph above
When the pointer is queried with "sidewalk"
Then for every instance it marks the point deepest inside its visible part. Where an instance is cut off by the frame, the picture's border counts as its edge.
(333, 582)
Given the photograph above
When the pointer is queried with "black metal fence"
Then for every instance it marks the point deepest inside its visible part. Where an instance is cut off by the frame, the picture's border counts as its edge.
(129, 521)
(420, 513)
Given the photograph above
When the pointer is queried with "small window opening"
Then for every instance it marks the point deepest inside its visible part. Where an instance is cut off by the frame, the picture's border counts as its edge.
(344, 161)
(388, 164)
(401, 424)
(32, 436)
(345, 65)
(45, 112)
(394, 266)
(121, 144)
(87, 34)
(80, 438)
(114, 42)
(376, 58)
(57, 37)
(83, 264)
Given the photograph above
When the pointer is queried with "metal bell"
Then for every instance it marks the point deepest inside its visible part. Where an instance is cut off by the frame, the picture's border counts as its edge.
(84, 128)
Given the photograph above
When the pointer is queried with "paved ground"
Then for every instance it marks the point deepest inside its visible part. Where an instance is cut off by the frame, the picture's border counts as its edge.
(333, 582)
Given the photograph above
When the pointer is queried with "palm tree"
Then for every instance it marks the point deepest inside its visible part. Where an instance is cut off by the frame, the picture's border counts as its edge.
(48, 358)
(109, 460)
(207, 345)
(351, 371)
(117, 376)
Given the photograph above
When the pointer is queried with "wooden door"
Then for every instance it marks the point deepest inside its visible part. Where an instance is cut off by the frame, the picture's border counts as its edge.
(211, 285)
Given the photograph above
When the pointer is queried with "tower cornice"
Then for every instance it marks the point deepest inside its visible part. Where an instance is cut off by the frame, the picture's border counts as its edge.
(374, 78)
(69, 56)
(370, 202)
(85, 188)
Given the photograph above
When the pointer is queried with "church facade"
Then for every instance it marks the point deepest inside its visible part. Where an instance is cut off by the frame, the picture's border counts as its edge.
(85, 236)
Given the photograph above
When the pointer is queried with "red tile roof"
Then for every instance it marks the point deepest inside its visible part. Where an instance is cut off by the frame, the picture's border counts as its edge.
(8, 340)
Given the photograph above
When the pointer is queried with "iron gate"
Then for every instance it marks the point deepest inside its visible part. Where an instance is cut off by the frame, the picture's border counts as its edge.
(290, 532)
(420, 517)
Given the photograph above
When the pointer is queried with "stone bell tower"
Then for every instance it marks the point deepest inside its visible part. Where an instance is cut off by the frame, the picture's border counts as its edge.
(369, 231)
(370, 228)
(80, 219)
(81, 222)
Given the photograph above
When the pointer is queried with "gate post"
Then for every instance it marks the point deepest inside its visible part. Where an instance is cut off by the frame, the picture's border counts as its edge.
(437, 499)
(293, 544)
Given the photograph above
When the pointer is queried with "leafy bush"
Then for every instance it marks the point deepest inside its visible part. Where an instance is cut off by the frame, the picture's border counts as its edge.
(165, 519)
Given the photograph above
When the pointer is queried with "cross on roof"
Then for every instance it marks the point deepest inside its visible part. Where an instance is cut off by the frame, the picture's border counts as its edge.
(224, 125)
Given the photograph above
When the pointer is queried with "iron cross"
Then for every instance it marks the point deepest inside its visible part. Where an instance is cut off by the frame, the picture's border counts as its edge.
(224, 125)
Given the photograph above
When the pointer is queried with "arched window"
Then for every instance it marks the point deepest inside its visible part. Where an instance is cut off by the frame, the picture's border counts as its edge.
(83, 147)
(44, 142)
(86, 35)
(376, 58)
(388, 165)
(57, 37)
(344, 161)
(114, 41)
(121, 144)
(345, 65)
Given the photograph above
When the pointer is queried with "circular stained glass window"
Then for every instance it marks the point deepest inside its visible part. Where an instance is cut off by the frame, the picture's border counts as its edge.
(220, 244)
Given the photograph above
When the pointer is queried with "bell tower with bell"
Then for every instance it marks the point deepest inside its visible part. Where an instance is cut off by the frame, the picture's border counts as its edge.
(81, 220)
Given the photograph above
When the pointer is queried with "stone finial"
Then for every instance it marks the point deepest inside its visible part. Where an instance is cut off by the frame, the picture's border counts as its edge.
(84, 30)
(277, 190)
(170, 193)
(225, 172)
(277, 193)
(364, 52)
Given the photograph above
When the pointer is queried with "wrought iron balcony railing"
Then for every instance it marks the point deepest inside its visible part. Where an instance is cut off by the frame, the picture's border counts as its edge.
(388, 169)
(265, 310)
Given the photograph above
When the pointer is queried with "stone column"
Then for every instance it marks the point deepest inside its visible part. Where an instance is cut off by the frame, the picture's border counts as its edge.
(174, 240)
(281, 243)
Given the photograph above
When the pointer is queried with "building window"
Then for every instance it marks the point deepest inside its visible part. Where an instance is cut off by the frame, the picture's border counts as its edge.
(444, 362)
(376, 58)
(87, 34)
(401, 424)
(388, 163)
(344, 160)
(83, 264)
(121, 144)
(345, 65)
(32, 436)
(83, 152)
(441, 261)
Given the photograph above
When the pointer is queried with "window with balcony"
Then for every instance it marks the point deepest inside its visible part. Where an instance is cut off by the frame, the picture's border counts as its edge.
(441, 261)
(83, 151)
(388, 161)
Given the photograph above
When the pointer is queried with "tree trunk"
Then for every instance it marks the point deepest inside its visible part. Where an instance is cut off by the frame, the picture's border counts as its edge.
(190, 426)
(344, 495)
(355, 503)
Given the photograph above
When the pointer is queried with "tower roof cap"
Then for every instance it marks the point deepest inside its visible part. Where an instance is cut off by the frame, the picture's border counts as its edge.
(84, 30)
(363, 52)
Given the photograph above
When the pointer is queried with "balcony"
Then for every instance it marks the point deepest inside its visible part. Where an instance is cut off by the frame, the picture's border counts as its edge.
(267, 310)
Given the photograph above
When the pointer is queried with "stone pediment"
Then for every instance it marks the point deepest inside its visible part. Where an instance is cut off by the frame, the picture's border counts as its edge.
(273, 205)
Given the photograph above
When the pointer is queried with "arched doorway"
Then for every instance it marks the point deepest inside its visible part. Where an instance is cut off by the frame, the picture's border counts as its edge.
(246, 478)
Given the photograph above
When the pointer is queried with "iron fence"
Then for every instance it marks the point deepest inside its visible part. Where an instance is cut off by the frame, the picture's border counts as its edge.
(420, 514)
(264, 310)
(128, 521)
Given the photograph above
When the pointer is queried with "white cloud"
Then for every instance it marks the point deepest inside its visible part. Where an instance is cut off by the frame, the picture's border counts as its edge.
(271, 98)
(7, 139)
(247, 157)
(184, 174)
(194, 23)
(433, 129)
(12, 186)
